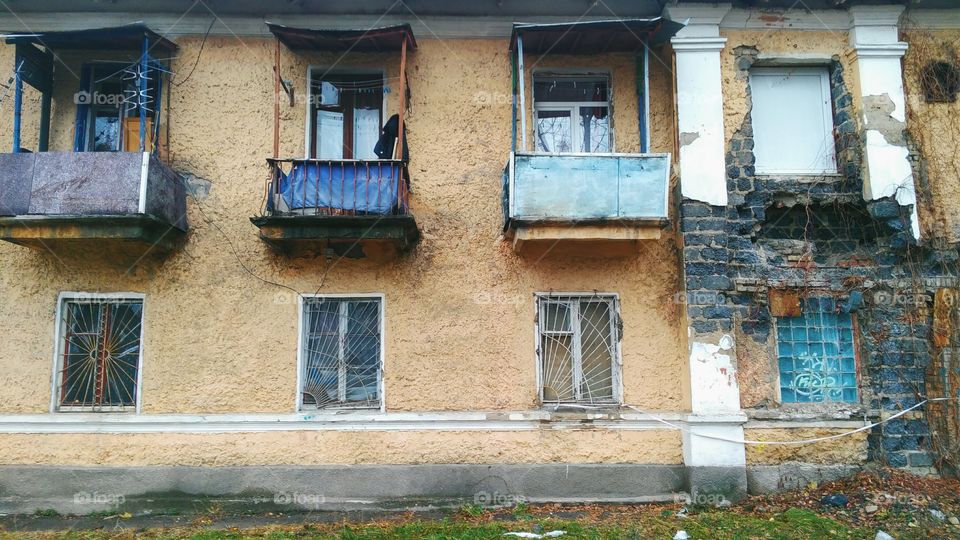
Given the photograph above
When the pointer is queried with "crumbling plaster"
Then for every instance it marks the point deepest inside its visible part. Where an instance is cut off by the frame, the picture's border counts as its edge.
(849, 449)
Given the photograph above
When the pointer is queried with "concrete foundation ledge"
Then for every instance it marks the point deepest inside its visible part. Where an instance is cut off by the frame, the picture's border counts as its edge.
(763, 479)
(81, 490)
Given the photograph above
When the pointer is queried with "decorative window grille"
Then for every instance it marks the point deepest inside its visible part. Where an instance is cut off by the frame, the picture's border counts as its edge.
(816, 355)
(578, 352)
(98, 365)
(341, 352)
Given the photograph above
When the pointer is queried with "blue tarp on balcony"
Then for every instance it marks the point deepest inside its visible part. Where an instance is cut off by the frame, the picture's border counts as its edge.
(363, 187)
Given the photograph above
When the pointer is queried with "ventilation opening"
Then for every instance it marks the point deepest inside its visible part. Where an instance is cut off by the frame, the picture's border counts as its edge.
(940, 81)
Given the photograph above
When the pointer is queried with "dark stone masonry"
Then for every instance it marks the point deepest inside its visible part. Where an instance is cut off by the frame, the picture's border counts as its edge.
(816, 235)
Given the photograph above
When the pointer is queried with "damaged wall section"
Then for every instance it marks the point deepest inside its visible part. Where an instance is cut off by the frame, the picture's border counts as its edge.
(813, 239)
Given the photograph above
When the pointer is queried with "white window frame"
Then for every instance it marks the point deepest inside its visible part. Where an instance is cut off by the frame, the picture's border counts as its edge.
(302, 347)
(617, 360)
(331, 70)
(58, 350)
(830, 164)
(576, 130)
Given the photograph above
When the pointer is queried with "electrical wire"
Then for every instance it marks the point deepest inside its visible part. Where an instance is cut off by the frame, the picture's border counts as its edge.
(777, 443)
(200, 52)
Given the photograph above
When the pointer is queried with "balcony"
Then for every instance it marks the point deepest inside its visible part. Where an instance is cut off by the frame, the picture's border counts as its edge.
(346, 208)
(85, 200)
(585, 204)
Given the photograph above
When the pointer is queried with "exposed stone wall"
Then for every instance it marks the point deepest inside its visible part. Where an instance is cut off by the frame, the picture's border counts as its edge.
(817, 236)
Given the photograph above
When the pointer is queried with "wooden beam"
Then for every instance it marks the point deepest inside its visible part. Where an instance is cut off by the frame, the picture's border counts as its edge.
(398, 150)
(276, 99)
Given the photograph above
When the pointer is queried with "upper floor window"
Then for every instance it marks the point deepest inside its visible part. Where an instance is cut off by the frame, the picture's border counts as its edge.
(341, 352)
(99, 350)
(792, 121)
(579, 357)
(572, 113)
(108, 107)
(816, 355)
(346, 112)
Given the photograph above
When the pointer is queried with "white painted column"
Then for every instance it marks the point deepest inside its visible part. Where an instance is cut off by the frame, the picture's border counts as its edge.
(700, 101)
(710, 443)
(875, 39)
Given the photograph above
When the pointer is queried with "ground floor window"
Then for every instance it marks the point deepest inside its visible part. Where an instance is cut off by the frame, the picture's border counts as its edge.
(816, 352)
(578, 352)
(341, 352)
(98, 361)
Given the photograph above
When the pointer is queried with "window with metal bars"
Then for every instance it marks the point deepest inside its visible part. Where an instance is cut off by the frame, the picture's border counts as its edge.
(99, 353)
(578, 349)
(341, 352)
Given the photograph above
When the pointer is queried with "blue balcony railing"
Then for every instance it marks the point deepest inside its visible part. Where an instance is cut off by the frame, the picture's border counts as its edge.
(586, 187)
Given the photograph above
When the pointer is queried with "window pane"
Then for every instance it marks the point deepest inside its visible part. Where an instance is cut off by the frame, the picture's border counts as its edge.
(595, 127)
(569, 89)
(363, 352)
(553, 131)
(106, 131)
(816, 369)
(554, 316)
(792, 122)
(101, 353)
(366, 132)
(557, 368)
(596, 351)
(329, 135)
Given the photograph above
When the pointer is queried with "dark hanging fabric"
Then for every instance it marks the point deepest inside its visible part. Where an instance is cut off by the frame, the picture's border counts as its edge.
(83, 98)
(388, 140)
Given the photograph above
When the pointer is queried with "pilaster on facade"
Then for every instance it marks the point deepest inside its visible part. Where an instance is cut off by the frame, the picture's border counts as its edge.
(874, 37)
(700, 101)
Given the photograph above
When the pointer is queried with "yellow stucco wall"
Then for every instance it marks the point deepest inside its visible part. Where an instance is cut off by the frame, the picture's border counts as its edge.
(935, 128)
(848, 449)
(459, 308)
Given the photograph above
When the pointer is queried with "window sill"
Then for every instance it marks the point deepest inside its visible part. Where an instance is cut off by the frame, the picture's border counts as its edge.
(802, 177)
(813, 412)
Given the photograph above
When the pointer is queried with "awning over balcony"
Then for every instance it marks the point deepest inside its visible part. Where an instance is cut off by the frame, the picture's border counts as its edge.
(386, 39)
(593, 37)
(126, 37)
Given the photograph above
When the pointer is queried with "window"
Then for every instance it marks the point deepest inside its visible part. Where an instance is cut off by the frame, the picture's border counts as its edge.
(341, 352)
(99, 346)
(345, 115)
(578, 351)
(113, 111)
(572, 113)
(792, 121)
(940, 81)
(816, 355)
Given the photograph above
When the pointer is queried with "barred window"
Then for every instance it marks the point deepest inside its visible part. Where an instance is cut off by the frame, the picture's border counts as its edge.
(341, 352)
(99, 353)
(579, 360)
(816, 355)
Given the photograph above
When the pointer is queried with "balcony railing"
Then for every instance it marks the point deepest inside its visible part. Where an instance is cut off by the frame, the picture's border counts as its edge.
(316, 187)
(354, 208)
(590, 188)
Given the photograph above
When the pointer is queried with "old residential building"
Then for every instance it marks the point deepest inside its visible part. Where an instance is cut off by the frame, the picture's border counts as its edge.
(367, 251)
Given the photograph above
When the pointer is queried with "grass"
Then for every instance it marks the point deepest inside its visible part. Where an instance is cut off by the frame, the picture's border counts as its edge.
(476, 523)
